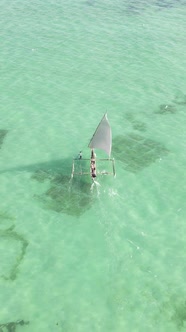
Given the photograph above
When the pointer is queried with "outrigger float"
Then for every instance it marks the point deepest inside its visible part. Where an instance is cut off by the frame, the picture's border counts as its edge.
(102, 139)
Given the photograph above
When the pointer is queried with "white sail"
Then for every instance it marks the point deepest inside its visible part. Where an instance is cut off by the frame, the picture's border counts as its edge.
(102, 138)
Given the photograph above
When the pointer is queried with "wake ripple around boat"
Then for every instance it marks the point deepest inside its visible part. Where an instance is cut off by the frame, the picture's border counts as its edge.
(95, 185)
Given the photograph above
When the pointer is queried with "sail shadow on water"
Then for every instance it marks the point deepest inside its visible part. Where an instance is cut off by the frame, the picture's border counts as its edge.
(137, 152)
(42, 167)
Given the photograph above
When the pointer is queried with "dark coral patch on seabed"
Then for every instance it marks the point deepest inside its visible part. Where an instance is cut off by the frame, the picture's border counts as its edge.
(12, 326)
(180, 99)
(136, 124)
(3, 133)
(11, 236)
(137, 152)
(72, 197)
(166, 109)
(179, 316)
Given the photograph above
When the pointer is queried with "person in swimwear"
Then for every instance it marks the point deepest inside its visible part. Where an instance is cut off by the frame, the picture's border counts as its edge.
(93, 169)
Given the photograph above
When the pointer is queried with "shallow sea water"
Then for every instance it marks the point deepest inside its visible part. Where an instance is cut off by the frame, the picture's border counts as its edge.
(111, 257)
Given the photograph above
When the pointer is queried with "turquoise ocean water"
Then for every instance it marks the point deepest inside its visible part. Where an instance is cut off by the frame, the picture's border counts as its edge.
(111, 258)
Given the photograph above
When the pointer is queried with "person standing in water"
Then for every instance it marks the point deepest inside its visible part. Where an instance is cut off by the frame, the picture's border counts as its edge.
(80, 155)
